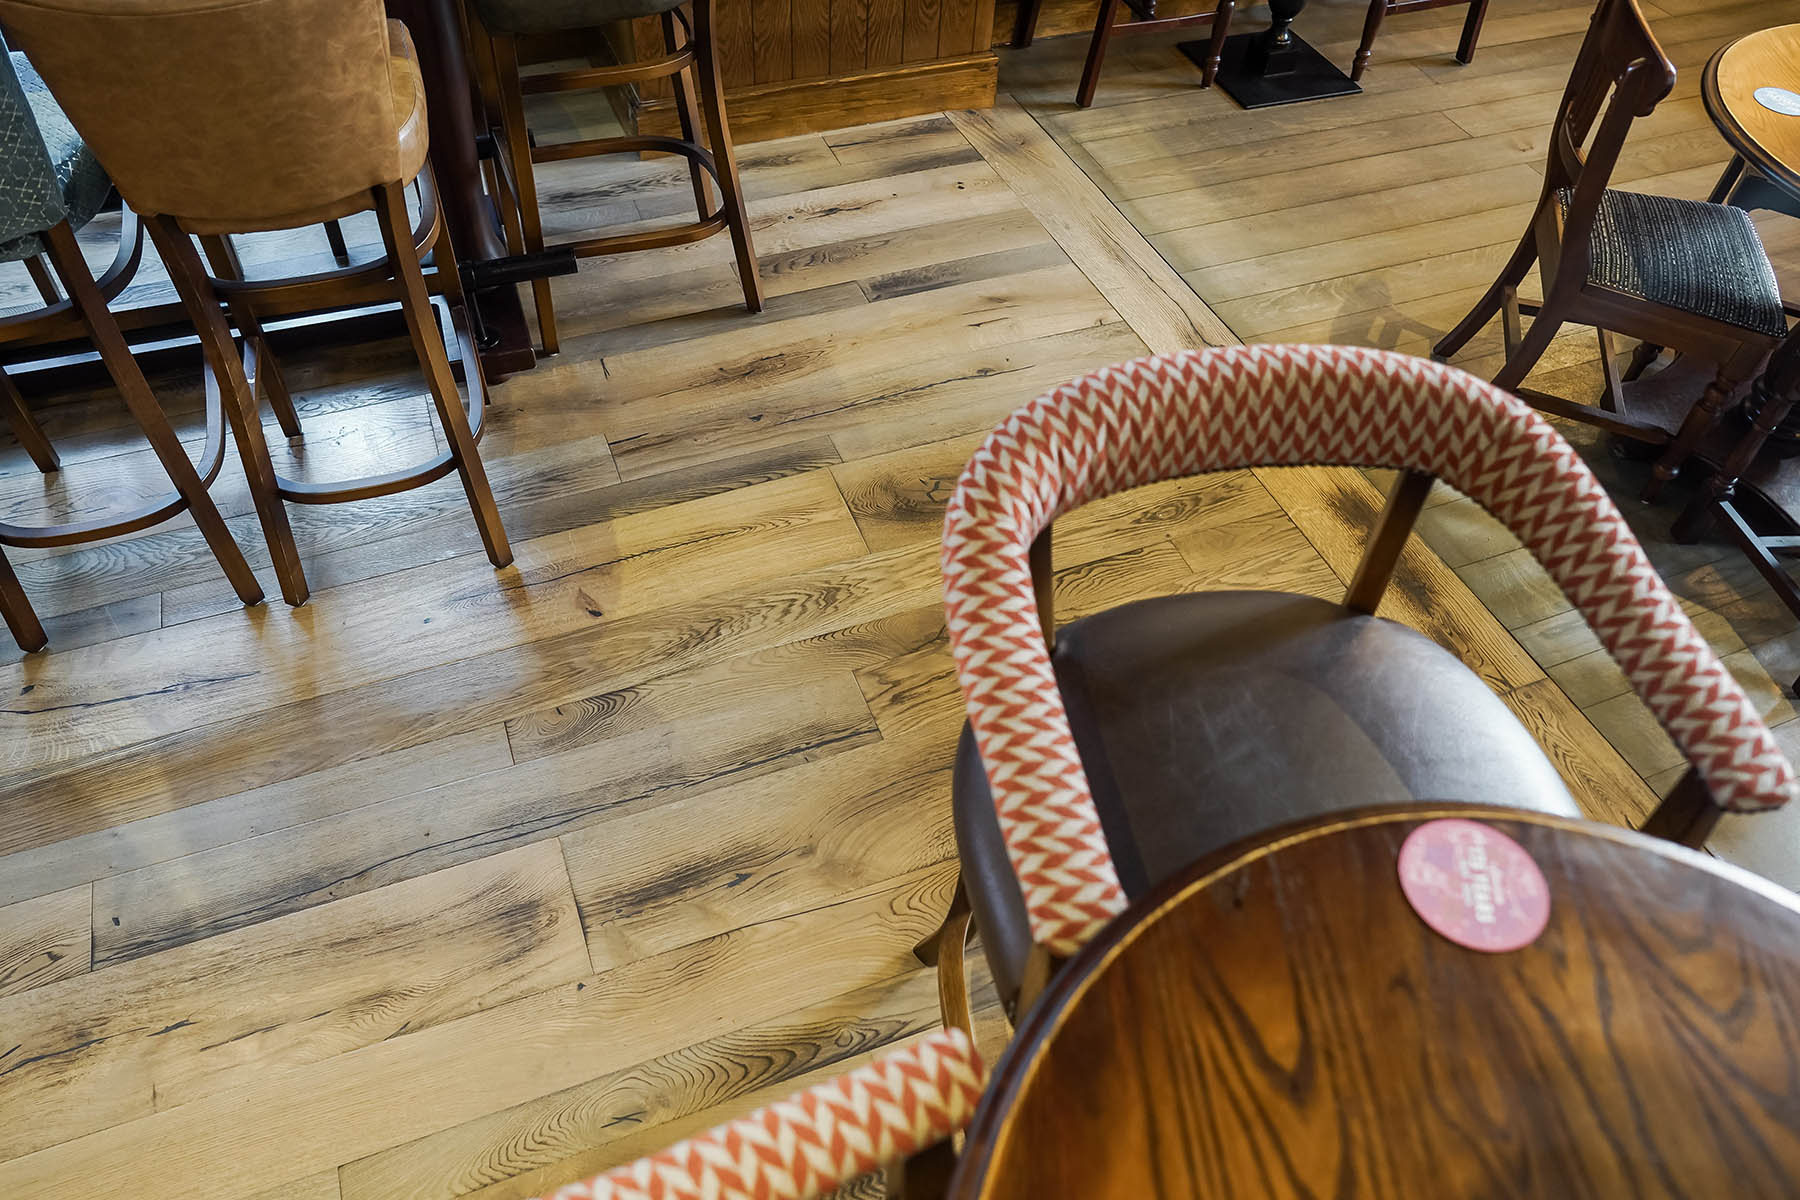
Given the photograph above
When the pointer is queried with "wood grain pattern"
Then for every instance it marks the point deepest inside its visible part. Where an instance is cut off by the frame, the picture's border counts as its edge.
(1329, 1041)
(46, 939)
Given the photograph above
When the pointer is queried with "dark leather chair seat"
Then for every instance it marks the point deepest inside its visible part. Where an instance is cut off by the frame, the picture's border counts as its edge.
(1202, 719)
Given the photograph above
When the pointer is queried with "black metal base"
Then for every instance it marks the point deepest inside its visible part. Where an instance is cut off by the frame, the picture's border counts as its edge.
(1299, 73)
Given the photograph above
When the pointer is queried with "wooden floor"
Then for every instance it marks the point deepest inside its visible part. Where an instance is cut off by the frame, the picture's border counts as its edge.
(459, 882)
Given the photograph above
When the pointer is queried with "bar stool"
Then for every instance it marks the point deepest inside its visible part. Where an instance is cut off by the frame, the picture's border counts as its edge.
(50, 186)
(690, 56)
(222, 117)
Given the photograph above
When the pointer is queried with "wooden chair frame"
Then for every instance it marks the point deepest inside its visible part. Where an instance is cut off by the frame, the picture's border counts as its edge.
(396, 278)
(1619, 56)
(1143, 20)
(1380, 10)
(689, 57)
(85, 310)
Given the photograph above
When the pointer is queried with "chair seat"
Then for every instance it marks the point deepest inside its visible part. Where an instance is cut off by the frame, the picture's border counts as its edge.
(1703, 259)
(1203, 719)
(83, 182)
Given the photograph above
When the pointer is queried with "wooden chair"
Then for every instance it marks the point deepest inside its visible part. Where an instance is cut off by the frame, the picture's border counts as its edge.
(1670, 273)
(1143, 20)
(52, 186)
(1105, 756)
(691, 57)
(902, 1108)
(1380, 10)
(263, 115)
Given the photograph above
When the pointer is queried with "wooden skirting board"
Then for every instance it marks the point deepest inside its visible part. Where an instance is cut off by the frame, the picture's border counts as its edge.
(795, 106)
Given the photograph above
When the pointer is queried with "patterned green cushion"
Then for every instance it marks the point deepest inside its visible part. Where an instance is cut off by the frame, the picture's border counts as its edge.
(47, 173)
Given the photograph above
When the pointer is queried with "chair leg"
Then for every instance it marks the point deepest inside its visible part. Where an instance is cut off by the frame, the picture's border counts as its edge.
(1728, 180)
(1511, 275)
(116, 356)
(334, 235)
(718, 132)
(1531, 348)
(1612, 390)
(517, 136)
(222, 257)
(1465, 49)
(944, 948)
(687, 109)
(26, 629)
(202, 304)
(1215, 46)
(1641, 358)
(40, 276)
(1025, 23)
(1694, 426)
(1378, 10)
(396, 235)
(26, 429)
(1096, 53)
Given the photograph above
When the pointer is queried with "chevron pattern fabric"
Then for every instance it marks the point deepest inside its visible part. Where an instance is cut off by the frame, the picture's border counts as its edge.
(818, 1140)
(1213, 410)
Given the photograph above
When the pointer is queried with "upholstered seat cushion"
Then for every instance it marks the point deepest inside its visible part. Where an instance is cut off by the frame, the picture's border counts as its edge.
(1704, 259)
(553, 16)
(1202, 719)
(79, 177)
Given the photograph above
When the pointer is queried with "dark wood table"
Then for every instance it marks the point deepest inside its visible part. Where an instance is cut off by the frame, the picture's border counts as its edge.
(1275, 66)
(1278, 1022)
(1765, 141)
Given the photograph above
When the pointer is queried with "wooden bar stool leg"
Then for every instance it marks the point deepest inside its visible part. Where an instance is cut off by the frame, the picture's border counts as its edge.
(687, 109)
(189, 278)
(26, 629)
(1215, 46)
(396, 236)
(40, 276)
(712, 94)
(1025, 20)
(25, 427)
(517, 136)
(110, 344)
(334, 236)
(1096, 53)
(1378, 11)
(225, 265)
(1465, 49)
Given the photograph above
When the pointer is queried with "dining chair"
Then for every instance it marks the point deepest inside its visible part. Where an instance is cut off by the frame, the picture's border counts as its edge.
(51, 185)
(1107, 755)
(900, 1108)
(1380, 10)
(691, 58)
(1143, 19)
(224, 117)
(1674, 274)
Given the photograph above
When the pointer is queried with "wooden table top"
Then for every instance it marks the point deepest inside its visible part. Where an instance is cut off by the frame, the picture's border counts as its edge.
(1280, 1023)
(1770, 140)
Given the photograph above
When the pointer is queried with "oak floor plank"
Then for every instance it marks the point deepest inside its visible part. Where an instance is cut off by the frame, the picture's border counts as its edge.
(172, 1031)
(44, 940)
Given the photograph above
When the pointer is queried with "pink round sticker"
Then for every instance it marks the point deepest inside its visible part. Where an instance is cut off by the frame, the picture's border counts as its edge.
(1474, 885)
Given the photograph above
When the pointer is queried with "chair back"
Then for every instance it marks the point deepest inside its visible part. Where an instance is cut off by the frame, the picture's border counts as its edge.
(1186, 414)
(234, 111)
(1619, 58)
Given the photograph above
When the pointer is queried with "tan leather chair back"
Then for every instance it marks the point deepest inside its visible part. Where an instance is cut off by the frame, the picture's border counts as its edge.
(226, 114)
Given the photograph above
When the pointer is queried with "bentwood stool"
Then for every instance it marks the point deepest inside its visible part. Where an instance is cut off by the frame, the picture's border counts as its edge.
(691, 56)
(1380, 10)
(222, 117)
(1106, 756)
(50, 186)
(1142, 19)
(899, 1111)
(1671, 273)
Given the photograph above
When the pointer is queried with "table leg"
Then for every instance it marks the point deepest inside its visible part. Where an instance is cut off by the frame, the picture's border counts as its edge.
(1276, 66)
(436, 27)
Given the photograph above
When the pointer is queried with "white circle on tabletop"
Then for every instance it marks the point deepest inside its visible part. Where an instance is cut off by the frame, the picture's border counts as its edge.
(1779, 100)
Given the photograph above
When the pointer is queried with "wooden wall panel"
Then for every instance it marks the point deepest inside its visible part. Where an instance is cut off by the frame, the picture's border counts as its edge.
(772, 39)
(956, 28)
(849, 36)
(886, 21)
(812, 38)
(920, 39)
(737, 48)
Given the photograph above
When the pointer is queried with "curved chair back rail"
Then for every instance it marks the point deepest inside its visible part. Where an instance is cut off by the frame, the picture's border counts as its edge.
(898, 1105)
(291, 102)
(1186, 414)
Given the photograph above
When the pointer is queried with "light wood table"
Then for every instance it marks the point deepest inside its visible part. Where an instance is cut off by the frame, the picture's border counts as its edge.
(1746, 86)
(1278, 1022)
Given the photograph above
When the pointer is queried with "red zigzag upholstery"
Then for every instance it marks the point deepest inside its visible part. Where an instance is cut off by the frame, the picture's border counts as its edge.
(815, 1141)
(1211, 410)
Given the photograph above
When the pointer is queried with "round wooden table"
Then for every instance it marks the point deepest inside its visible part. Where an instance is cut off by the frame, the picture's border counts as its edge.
(1279, 1023)
(1762, 137)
